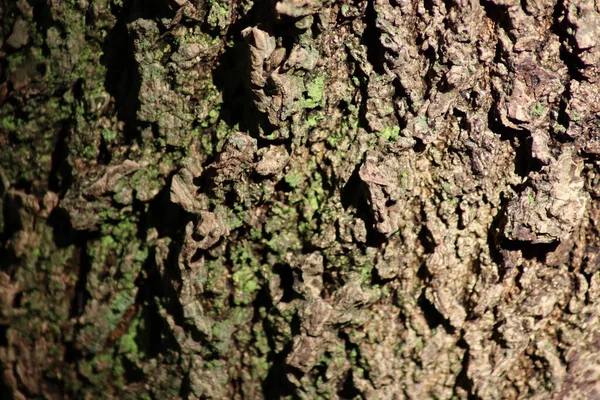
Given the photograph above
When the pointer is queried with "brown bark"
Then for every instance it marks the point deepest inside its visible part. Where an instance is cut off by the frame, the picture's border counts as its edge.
(299, 199)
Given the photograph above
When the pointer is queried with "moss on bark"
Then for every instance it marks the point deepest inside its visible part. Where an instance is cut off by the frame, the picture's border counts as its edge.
(314, 199)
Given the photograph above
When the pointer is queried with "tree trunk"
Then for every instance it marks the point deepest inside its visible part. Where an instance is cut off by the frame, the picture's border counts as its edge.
(301, 199)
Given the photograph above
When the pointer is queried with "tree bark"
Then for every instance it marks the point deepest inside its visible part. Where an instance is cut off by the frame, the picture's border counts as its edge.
(291, 199)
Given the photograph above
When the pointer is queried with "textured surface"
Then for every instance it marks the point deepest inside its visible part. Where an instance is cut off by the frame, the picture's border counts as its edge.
(299, 199)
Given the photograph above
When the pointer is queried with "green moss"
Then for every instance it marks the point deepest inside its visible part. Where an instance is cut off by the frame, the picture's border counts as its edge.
(211, 118)
(313, 201)
(259, 368)
(365, 275)
(246, 286)
(15, 61)
(420, 344)
(294, 179)
(121, 303)
(141, 254)
(124, 230)
(347, 131)
(390, 133)
(313, 121)
(244, 277)
(537, 110)
(127, 342)
(10, 123)
(447, 188)
(315, 92)
(404, 179)
(219, 15)
(222, 332)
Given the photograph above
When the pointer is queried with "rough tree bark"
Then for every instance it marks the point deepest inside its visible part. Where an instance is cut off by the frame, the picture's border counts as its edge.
(379, 199)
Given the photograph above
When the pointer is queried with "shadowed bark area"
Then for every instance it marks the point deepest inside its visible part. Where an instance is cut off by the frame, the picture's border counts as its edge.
(299, 199)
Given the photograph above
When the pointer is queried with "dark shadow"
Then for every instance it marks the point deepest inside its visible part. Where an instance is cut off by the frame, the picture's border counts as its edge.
(499, 15)
(462, 379)
(530, 251)
(150, 287)
(42, 16)
(353, 195)
(186, 387)
(286, 277)
(5, 391)
(3, 337)
(122, 79)
(231, 71)
(80, 261)
(419, 146)
(426, 239)
(364, 96)
(377, 280)
(229, 78)
(283, 186)
(561, 27)
(400, 93)
(63, 233)
(497, 336)
(518, 139)
(276, 385)
(9, 262)
(165, 216)
(494, 233)
(61, 177)
(347, 390)
(372, 39)
(434, 318)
